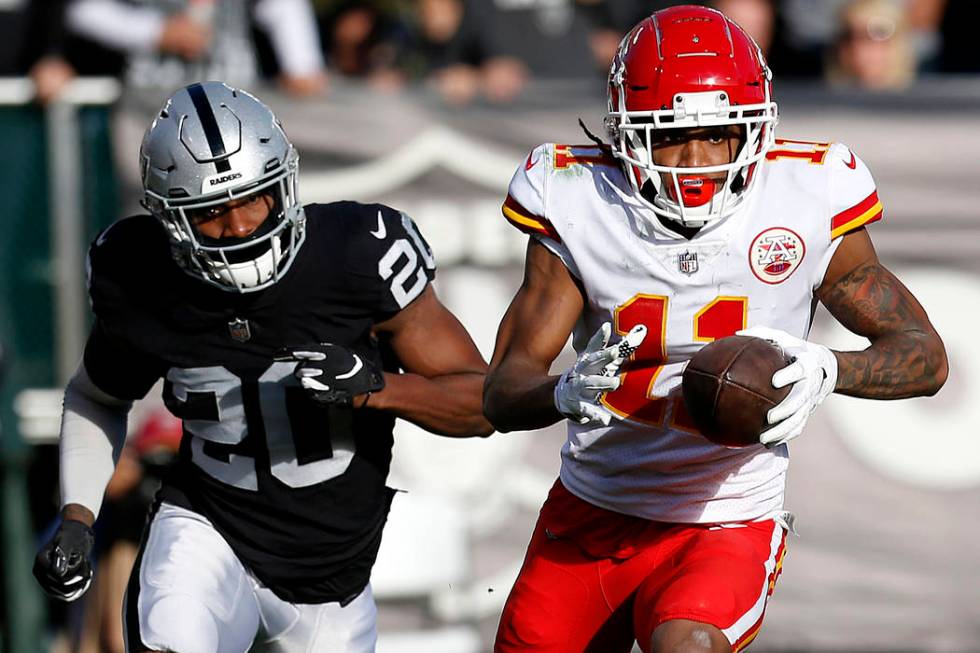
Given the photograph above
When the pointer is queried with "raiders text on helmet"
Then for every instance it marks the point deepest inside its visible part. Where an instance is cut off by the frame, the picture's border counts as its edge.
(211, 144)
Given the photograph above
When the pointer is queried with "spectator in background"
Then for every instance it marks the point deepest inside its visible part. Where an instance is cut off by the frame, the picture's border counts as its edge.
(33, 43)
(474, 48)
(360, 39)
(804, 30)
(438, 49)
(170, 43)
(756, 17)
(496, 47)
(50, 70)
(51, 74)
(610, 19)
(624, 14)
(923, 17)
(874, 50)
(960, 53)
(438, 39)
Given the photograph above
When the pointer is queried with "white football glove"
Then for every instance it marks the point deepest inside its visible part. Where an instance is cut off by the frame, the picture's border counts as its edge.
(594, 372)
(813, 374)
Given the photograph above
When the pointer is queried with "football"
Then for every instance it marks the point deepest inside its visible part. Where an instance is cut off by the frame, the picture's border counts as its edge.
(728, 389)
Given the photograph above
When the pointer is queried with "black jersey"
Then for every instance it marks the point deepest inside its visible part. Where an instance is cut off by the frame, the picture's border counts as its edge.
(297, 490)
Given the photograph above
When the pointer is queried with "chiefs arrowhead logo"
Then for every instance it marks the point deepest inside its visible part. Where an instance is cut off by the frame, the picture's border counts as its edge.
(775, 254)
(852, 164)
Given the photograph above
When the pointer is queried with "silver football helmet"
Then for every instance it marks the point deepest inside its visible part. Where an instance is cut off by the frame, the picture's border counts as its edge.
(211, 144)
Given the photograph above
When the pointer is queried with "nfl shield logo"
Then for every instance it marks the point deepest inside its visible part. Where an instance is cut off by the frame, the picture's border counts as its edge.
(238, 328)
(687, 262)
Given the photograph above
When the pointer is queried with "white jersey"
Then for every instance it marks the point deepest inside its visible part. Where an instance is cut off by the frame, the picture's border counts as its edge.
(759, 266)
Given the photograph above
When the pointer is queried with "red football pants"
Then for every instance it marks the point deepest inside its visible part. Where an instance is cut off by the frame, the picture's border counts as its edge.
(595, 580)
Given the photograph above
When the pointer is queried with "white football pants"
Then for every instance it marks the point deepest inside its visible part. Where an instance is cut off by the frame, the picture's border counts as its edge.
(189, 593)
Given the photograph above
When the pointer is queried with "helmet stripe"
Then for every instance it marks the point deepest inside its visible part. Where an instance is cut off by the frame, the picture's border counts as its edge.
(211, 131)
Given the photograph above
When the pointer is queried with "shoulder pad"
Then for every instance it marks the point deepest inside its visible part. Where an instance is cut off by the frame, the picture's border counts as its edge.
(384, 254)
(129, 254)
(845, 181)
(853, 198)
(525, 206)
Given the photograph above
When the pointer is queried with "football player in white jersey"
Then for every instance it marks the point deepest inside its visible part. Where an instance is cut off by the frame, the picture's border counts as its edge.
(693, 224)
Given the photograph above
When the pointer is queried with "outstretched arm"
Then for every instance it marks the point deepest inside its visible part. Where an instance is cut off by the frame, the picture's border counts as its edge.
(444, 371)
(519, 391)
(906, 357)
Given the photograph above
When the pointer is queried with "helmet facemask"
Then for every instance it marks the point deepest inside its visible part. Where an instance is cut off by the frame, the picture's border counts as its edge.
(243, 264)
(692, 196)
(210, 145)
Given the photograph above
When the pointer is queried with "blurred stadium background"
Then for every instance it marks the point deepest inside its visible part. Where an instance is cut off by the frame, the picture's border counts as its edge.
(429, 105)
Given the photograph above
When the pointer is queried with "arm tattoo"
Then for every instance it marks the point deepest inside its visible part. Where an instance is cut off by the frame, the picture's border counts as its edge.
(906, 357)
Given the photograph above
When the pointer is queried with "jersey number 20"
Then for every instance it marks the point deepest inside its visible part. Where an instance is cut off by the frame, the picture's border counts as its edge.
(304, 444)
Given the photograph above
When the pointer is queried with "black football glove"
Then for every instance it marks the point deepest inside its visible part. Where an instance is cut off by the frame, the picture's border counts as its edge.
(62, 566)
(334, 375)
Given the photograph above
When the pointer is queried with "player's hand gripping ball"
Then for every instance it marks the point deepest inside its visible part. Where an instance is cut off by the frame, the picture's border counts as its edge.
(334, 375)
(728, 389)
(810, 378)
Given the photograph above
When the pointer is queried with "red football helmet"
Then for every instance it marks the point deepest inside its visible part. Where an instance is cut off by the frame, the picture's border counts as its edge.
(687, 67)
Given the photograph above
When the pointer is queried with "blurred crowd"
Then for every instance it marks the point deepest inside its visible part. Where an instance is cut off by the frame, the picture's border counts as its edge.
(463, 50)
(460, 51)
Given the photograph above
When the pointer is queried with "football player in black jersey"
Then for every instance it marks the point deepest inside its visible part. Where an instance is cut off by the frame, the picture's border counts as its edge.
(288, 338)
